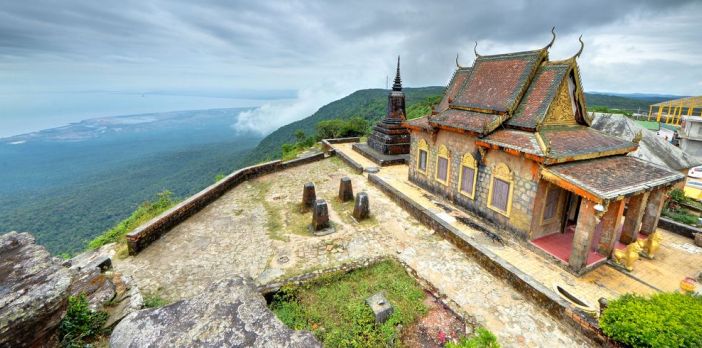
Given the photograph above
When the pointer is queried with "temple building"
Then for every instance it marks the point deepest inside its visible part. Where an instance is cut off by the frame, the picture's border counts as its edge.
(389, 143)
(511, 142)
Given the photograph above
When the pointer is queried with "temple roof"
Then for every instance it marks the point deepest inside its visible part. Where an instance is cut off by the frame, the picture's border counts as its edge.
(463, 120)
(581, 142)
(497, 82)
(421, 123)
(609, 178)
(521, 141)
(537, 99)
(457, 81)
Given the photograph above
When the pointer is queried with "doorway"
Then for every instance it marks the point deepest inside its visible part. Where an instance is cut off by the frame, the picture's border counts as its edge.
(570, 213)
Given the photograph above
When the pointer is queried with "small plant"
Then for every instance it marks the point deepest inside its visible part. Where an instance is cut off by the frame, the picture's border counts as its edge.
(219, 177)
(154, 301)
(483, 338)
(80, 324)
(662, 320)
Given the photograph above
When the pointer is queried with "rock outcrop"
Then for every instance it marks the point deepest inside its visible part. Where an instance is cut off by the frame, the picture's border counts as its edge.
(34, 290)
(89, 277)
(230, 313)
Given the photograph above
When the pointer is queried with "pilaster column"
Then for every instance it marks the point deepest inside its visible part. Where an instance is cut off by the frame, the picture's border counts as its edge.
(611, 220)
(634, 214)
(653, 210)
(584, 230)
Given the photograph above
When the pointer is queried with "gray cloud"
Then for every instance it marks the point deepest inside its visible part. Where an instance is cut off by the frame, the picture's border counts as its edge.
(138, 45)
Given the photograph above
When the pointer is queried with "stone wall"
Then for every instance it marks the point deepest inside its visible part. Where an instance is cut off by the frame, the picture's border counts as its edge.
(147, 233)
(525, 175)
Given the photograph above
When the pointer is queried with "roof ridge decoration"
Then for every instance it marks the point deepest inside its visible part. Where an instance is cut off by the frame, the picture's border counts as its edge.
(553, 39)
(475, 49)
(458, 65)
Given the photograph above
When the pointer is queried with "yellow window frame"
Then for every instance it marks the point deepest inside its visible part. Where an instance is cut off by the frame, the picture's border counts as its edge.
(422, 146)
(443, 153)
(468, 161)
(502, 172)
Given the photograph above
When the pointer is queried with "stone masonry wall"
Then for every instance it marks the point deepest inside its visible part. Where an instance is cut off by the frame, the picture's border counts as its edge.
(524, 183)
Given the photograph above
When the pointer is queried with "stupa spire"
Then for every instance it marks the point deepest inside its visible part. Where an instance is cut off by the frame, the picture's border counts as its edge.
(397, 86)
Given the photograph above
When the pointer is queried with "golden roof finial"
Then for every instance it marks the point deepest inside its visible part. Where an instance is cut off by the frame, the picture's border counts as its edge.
(475, 49)
(553, 32)
(458, 65)
(582, 45)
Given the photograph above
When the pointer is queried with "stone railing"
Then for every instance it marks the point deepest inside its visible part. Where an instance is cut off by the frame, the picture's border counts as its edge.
(147, 233)
(678, 227)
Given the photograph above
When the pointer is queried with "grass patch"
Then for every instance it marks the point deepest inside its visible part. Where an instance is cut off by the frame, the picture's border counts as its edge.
(345, 211)
(80, 325)
(483, 338)
(296, 221)
(145, 212)
(334, 309)
(154, 301)
(274, 220)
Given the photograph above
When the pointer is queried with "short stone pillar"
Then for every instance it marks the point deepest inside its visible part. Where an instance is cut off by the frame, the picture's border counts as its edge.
(361, 209)
(320, 215)
(345, 189)
(308, 195)
(634, 214)
(381, 307)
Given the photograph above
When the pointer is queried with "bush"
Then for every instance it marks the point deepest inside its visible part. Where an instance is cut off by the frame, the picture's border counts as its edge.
(681, 215)
(154, 301)
(678, 196)
(338, 128)
(80, 323)
(663, 320)
(146, 211)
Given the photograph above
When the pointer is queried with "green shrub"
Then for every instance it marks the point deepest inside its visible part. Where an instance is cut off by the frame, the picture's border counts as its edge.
(154, 301)
(678, 195)
(146, 211)
(219, 177)
(681, 215)
(338, 128)
(663, 320)
(483, 338)
(80, 323)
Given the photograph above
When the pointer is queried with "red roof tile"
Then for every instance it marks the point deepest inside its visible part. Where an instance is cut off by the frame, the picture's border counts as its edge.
(581, 140)
(514, 139)
(610, 177)
(457, 81)
(537, 99)
(466, 120)
(496, 82)
(421, 123)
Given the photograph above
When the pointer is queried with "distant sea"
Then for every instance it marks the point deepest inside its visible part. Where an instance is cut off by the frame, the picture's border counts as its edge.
(24, 113)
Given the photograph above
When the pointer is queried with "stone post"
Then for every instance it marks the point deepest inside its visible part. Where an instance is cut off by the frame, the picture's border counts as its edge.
(345, 189)
(361, 210)
(308, 195)
(653, 211)
(632, 222)
(584, 231)
(611, 221)
(320, 215)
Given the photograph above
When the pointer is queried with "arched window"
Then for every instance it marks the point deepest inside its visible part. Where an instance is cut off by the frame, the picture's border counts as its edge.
(422, 156)
(501, 185)
(468, 176)
(442, 165)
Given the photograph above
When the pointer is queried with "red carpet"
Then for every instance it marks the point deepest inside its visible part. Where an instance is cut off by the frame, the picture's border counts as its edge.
(560, 245)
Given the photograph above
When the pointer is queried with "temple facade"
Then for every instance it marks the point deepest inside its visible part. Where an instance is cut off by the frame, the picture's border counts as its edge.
(511, 142)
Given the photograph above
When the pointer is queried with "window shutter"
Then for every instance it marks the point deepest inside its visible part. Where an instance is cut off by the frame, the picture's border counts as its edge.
(467, 179)
(443, 166)
(500, 194)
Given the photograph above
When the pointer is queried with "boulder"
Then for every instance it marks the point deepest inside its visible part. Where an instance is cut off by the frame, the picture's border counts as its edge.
(89, 278)
(34, 290)
(229, 313)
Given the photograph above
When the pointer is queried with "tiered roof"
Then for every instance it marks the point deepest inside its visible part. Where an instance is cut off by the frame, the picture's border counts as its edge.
(523, 102)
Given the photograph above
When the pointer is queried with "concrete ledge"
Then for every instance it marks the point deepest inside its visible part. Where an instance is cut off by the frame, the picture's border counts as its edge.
(542, 295)
(678, 228)
(379, 158)
(343, 140)
(357, 167)
(152, 230)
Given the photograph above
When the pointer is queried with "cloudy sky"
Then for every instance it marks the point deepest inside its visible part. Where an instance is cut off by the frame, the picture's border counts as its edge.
(310, 53)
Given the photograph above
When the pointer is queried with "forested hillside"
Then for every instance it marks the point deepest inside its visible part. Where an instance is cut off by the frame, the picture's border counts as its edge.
(368, 104)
